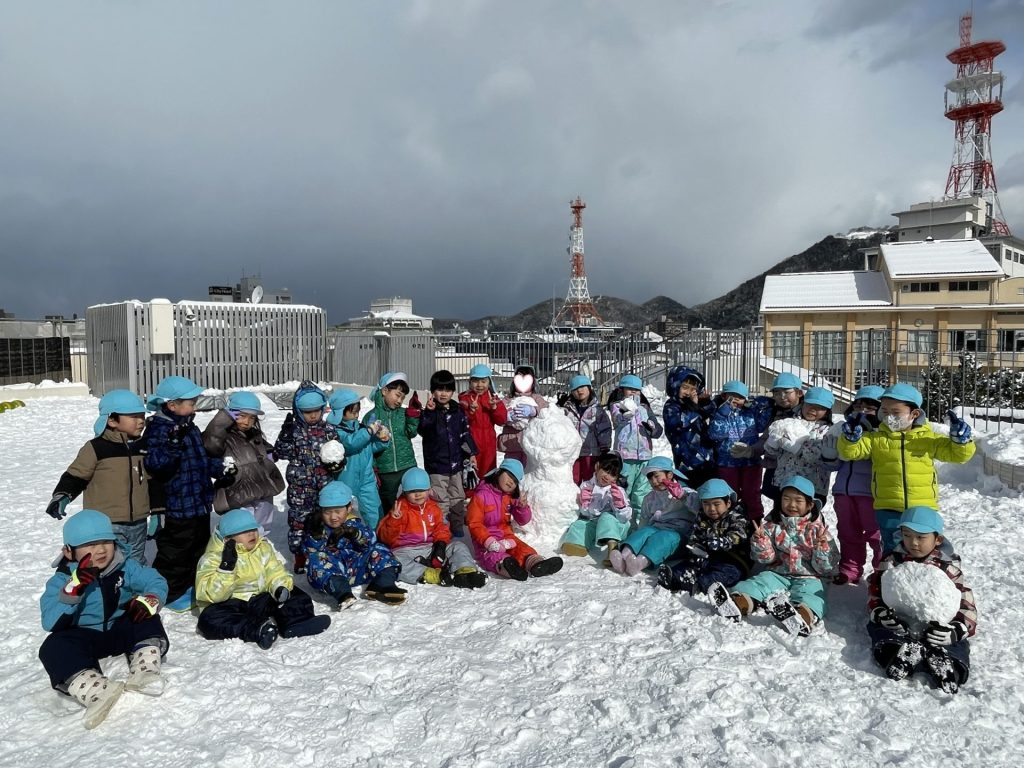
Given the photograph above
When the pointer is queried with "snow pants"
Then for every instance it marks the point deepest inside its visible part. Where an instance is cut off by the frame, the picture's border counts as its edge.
(885, 643)
(636, 483)
(656, 544)
(363, 567)
(858, 527)
(521, 552)
(594, 533)
(133, 536)
(746, 481)
(456, 552)
(803, 590)
(179, 546)
(888, 528)
(67, 652)
(296, 528)
(242, 619)
(709, 571)
(451, 497)
(389, 482)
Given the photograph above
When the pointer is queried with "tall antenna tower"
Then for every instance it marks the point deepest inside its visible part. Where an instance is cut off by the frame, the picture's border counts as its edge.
(578, 303)
(971, 100)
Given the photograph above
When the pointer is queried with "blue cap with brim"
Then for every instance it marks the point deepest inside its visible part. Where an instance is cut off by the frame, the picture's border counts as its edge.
(787, 380)
(236, 521)
(921, 520)
(870, 392)
(578, 381)
(630, 381)
(119, 401)
(480, 371)
(245, 402)
(86, 527)
(335, 494)
(173, 388)
(716, 489)
(662, 464)
(340, 400)
(904, 393)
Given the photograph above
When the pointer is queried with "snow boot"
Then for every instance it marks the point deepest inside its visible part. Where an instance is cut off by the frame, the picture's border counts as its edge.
(617, 560)
(144, 671)
(510, 568)
(723, 602)
(469, 578)
(636, 564)
(574, 550)
(667, 578)
(942, 670)
(779, 608)
(299, 567)
(384, 588)
(905, 660)
(314, 625)
(546, 567)
(613, 546)
(339, 588)
(96, 693)
(435, 576)
(266, 635)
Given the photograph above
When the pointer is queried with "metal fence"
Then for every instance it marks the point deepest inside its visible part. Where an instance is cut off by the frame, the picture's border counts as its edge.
(33, 360)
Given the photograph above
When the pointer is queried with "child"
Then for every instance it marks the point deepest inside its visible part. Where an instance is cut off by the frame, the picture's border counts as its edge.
(99, 604)
(109, 469)
(942, 648)
(448, 448)
(903, 453)
(666, 519)
(236, 432)
(796, 550)
(416, 532)
(686, 417)
(401, 424)
(361, 443)
(719, 547)
(636, 427)
(343, 552)
(787, 396)
(494, 505)
(797, 444)
(851, 493)
(244, 590)
(604, 512)
(302, 436)
(177, 462)
(522, 406)
(737, 424)
(591, 420)
(485, 411)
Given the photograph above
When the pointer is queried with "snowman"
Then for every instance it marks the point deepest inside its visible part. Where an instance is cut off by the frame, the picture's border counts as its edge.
(552, 445)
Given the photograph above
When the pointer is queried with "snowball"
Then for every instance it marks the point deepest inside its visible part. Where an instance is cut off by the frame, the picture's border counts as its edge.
(332, 452)
(552, 445)
(920, 593)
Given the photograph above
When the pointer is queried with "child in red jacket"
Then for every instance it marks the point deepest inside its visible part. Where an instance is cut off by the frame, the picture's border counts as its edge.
(420, 539)
(485, 411)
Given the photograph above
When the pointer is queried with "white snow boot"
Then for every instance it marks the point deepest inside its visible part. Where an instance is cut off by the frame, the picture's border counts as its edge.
(779, 608)
(96, 693)
(723, 602)
(144, 671)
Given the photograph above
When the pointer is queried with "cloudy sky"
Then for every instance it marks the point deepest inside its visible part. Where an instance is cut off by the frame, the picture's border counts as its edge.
(350, 150)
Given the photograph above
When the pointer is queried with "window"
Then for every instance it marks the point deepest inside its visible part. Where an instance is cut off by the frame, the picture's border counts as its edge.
(870, 356)
(920, 342)
(1011, 341)
(968, 285)
(788, 346)
(919, 287)
(828, 354)
(967, 341)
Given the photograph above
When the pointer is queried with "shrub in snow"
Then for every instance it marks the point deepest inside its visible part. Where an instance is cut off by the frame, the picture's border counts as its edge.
(552, 445)
(920, 593)
(332, 452)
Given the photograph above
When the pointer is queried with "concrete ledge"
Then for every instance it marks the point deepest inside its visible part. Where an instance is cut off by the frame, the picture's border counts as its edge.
(1011, 475)
(34, 392)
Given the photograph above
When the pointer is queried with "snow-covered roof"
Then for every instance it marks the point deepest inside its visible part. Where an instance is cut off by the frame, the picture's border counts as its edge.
(939, 258)
(802, 290)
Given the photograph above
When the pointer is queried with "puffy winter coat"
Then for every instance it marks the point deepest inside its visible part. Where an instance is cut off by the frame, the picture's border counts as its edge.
(594, 500)
(104, 600)
(482, 421)
(670, 509)
(397, 454)
(260, 569)
(183, 471)
(360, 447)
(686, 422)
(299, 444)
(726, 540)
(593, 424)
(446, 439)
(109, 469)
(903, 463)
(414, 525)
(802, 455)
(789, 547)
(491, 512)
(738, 425)
(258, 477)
(635, 430)
(853, 478)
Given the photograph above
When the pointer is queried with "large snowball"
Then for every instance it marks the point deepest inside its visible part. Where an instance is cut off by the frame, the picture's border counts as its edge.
(920, 593)
(331, 452)
(552, 445)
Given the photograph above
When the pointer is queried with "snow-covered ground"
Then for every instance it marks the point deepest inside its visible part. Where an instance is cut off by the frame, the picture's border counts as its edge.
(585, 668)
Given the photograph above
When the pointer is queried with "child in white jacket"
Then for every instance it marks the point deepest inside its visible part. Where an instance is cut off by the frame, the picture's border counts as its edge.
(604, 511)
(797, 443)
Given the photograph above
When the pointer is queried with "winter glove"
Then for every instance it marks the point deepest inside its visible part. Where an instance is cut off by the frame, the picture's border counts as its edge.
(562, 399)
(628, 406)
(438, 554)
(55, 508)
(493, 545)
(282, 595)
(230, 467)
(142, 607)
(508, 543)
(648, 425)
(884, 616)
(852, 429)
(224, 481)
(470, 477)
(619, 497)
(959, 430)
(179, 432)
(718, 543)
(945, 634)
(415, 408)
(354, 535)
(84, 575)
(229, 557)
(155, 524)
(675, 490)
(333, 467)
(287, 432)
(521, 412)
(740, 451)
(697, 553)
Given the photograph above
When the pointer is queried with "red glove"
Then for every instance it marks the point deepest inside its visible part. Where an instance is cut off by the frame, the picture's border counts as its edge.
(142, 607)
(83, 576)
(415, 409)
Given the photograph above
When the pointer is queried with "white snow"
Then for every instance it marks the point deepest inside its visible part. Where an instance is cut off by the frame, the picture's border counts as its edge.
(332, 452)
(582, 668)
(920, 593)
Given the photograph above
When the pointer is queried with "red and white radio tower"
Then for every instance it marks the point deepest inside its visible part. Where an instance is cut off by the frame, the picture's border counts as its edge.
(578, 304)
(971, 100)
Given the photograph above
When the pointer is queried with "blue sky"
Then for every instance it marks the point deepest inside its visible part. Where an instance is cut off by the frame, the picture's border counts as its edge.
(349, 150)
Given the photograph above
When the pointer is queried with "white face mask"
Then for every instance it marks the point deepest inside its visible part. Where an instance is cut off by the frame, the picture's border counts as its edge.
(897, 423)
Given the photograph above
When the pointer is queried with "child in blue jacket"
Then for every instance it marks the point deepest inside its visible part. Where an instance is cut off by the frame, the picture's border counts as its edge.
(686, 415)
(100, 603)
(738, 424)
(362, 442)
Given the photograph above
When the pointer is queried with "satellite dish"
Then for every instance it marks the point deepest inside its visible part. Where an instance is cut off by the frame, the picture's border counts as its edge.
(257, 295)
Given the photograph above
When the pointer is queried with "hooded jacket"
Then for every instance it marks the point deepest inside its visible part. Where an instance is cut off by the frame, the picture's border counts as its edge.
(258, 477)
(738, 425)
(665, 511)
(482, 421)
(110, 470)
(491, 512)
(635, 430)
(360, 447)
(592, 422)
(803, 455)
(853, 478)
(414, 526)
(788, 546)
(732, 526)
(397, 454)
(258, 570)
(686, 422)
(299, 444)
(446, 438)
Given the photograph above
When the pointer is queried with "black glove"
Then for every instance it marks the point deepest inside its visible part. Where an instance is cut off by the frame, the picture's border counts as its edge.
(563, 398)
(333, 467)
(438, 554)
(179, 432)
(718, 543)
(351, 533)
(886, 617)
(142, 607)
(287, 428)
(945, 634)
(55, 508)
(229, 557)
(224, 481)
(470, 477)
(281, 594)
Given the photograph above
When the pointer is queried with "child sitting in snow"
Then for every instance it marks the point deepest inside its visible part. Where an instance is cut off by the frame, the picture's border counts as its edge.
(719, 547)
(343, 552)
(100, 603)
(604, 513)
(666, 519)
(492, 509)
(417, 534)
(361, 444)
(522, 406)
(244, 590)
(797, 551)
(636, 428)
(485, 411)
(797, 444)
(921, 611)
(401, 425)
(581, 405)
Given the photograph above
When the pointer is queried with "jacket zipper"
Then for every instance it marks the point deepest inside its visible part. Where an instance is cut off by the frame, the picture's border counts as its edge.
(903, 462)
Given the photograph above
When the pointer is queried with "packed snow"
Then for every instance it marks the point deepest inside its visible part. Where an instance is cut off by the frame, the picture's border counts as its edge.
(583, 668)
(920, 593)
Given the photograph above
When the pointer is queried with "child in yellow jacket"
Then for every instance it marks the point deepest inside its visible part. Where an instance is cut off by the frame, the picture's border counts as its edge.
(245, 591)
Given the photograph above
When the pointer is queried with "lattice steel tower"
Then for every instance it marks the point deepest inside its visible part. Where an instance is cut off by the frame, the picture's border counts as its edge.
(971, 100)
(578, 303)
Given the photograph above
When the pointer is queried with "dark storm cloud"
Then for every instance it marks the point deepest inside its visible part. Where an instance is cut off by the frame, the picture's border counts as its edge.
(429, 149)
